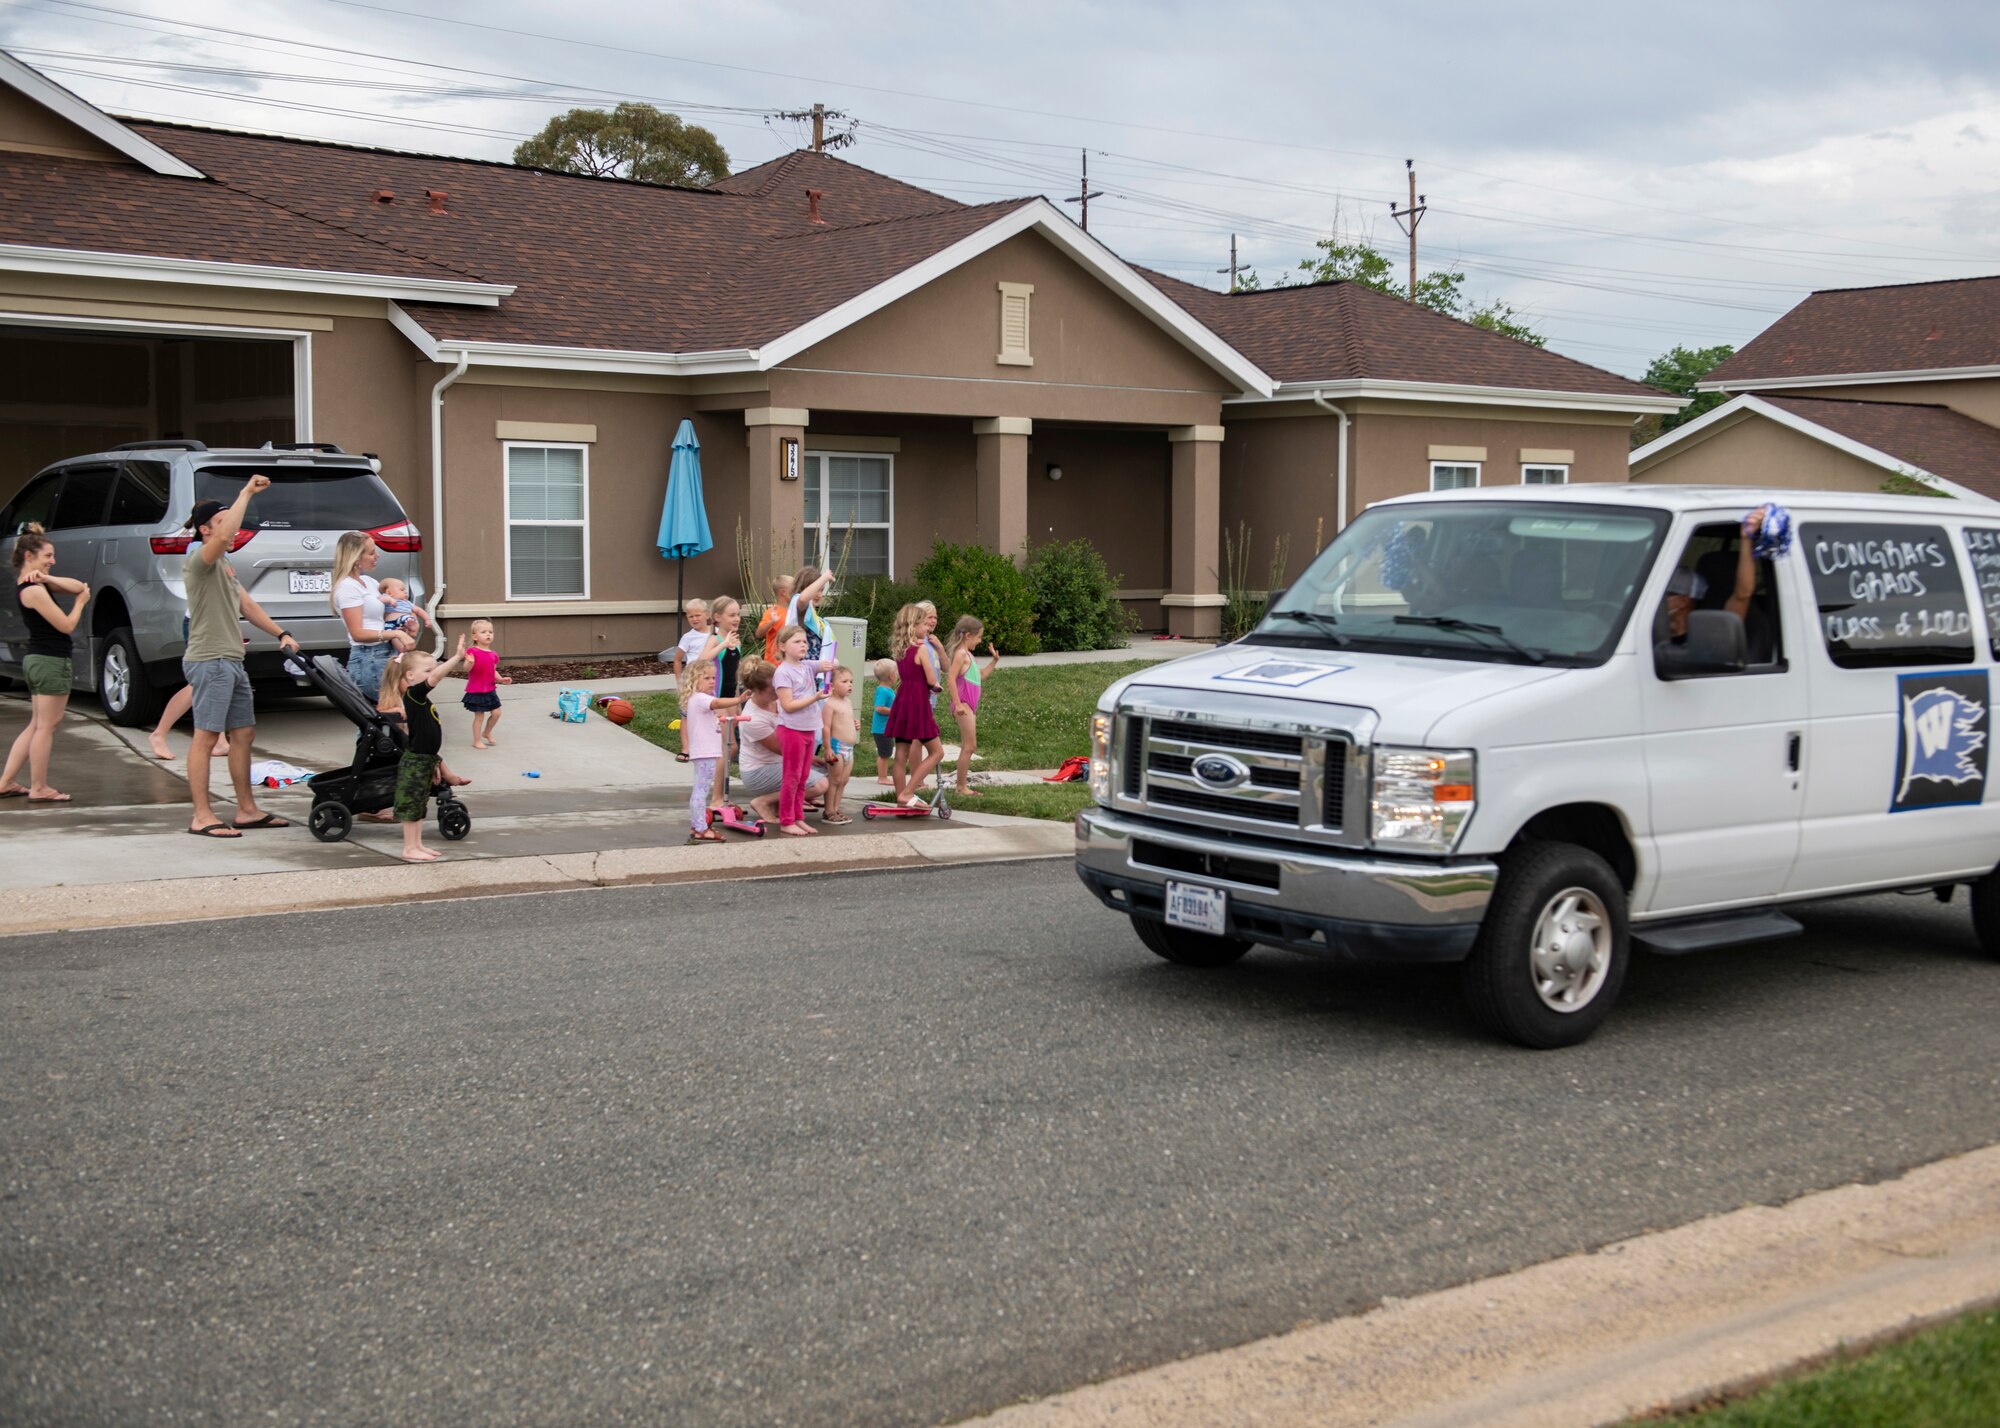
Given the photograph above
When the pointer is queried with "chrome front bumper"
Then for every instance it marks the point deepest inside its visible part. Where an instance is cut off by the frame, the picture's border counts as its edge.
(1355, 905)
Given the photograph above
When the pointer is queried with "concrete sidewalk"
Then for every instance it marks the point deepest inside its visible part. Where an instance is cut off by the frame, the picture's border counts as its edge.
(1663, 1322)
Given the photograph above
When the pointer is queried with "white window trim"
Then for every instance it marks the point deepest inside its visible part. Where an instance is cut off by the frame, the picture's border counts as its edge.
(1562, 466)
(822, 525)
(507, 511)
(1478, 472)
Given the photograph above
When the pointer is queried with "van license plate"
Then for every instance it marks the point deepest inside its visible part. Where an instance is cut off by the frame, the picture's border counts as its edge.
(311, 582)
(1198, 909)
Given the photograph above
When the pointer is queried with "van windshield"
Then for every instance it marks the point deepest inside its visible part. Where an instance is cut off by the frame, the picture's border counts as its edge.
(305, 498)
(1509, 581)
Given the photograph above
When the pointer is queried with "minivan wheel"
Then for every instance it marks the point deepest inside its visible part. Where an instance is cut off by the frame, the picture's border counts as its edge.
(1189, 949)
(1552, 949)
(1986, 913)
(128, 696)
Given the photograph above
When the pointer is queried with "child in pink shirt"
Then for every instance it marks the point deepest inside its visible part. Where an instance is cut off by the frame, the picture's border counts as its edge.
(799, 722)
(701, 737)
(482, 685)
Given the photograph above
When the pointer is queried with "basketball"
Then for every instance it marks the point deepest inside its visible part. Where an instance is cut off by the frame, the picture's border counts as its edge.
(618, 711)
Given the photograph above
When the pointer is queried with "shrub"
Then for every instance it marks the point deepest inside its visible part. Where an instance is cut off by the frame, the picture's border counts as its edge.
(876, 599)
(1242, 610)
(972, 580)
(1076, 599)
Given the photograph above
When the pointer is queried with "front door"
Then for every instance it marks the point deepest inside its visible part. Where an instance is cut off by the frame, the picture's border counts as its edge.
(1724, 752)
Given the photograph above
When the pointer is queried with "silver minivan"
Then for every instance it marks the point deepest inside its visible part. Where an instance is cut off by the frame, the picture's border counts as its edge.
(116, 520)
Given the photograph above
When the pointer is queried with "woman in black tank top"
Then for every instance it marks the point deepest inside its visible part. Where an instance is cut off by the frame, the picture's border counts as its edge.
(45, 666)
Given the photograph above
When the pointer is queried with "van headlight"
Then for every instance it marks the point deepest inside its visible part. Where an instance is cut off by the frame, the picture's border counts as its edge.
(1100, 756)
(1421, 798)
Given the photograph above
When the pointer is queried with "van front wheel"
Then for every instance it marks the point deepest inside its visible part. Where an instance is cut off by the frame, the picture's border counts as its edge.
(1552, 949)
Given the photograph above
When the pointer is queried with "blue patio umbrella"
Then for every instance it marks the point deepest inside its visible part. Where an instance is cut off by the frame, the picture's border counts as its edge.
(684, 521)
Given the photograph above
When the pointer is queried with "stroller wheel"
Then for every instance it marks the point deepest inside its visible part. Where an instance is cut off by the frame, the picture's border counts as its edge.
(454, 822)
(329, 822)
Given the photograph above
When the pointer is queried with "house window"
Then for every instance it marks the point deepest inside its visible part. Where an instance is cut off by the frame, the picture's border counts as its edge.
(548, 510)
(1454, 475)
(850, 503)
(1545, 475)
(1014, 298)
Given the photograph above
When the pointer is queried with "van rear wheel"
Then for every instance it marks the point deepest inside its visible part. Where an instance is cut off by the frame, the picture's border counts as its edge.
(127, 695)
(1188, 949)
(1552, 949)
(1986, 913)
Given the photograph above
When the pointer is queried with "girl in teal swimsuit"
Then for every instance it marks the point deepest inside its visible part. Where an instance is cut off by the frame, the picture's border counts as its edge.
(964, 681)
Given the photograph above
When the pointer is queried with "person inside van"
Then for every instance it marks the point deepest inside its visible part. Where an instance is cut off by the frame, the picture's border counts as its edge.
(1691, 590)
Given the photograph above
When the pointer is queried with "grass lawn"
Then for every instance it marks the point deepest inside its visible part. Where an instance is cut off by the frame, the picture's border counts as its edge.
(1030, 718)
(1948, 1377)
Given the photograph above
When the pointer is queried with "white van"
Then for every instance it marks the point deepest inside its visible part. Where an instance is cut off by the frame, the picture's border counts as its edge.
(1525, 729)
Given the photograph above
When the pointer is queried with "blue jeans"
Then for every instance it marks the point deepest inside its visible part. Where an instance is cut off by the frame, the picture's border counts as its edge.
(365, 664)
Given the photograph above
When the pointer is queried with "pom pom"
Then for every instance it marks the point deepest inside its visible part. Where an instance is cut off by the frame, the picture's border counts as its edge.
(1396, 563)
(1774, 537)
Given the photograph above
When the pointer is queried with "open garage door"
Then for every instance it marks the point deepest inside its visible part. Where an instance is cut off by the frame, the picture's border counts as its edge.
(68, 391)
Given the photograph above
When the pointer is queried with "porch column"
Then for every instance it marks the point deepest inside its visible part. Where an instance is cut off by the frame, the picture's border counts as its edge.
(1193, 606)
(774, 508)
(1003, 483)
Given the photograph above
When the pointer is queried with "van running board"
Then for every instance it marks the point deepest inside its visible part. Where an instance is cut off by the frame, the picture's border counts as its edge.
(1675, 938)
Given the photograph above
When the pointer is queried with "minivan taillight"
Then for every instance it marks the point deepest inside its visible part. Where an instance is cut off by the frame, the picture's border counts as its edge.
(178, 544)
(403, 537)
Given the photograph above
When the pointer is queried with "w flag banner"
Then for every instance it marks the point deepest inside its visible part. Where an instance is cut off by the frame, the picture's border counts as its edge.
(1941, 741)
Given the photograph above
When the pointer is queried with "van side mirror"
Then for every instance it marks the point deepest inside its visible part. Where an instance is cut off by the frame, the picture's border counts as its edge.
(1716, 643)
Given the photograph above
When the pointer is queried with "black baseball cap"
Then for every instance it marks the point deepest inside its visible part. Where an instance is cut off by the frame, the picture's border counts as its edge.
(203, 513)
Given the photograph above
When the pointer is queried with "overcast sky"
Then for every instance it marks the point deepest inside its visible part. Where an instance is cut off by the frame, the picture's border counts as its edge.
(1629, 177)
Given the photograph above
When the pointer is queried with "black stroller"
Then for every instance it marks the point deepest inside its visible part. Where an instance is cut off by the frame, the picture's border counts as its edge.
(368, 785)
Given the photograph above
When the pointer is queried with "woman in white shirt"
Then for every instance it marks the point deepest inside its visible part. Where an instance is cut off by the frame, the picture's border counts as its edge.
(357, 599)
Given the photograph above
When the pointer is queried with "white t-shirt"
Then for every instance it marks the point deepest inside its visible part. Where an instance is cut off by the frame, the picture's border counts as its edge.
(363, 593)
(691, 645)
(758, 724)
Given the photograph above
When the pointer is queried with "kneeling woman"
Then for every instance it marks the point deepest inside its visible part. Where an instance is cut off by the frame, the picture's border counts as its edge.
(47, 663)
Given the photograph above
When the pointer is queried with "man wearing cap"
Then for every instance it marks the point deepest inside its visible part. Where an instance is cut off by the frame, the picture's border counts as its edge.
(213, 663)
(1686, 589)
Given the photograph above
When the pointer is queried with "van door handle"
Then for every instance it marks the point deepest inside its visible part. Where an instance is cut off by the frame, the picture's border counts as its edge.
(1793, 748)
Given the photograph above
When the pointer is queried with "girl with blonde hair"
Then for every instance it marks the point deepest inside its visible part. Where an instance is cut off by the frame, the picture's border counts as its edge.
(357, 598)
(913, 717)
(963, 679)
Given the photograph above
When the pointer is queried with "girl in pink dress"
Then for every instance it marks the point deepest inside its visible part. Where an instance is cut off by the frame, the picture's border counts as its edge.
(482, 685)
(913, 717)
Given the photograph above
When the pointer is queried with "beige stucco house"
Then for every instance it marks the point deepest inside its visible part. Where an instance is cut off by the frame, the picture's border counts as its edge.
(1853, 389)
(854, 352)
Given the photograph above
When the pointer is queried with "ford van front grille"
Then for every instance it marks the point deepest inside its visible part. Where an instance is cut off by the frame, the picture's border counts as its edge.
(1219, 775)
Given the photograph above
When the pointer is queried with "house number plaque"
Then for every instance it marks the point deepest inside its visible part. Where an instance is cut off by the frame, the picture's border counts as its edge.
(788, 459)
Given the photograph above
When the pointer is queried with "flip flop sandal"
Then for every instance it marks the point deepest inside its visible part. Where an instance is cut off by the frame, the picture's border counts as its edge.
(836, 818)
(59, 798)
(214, 830)
(269, 820)
(13, 793)
(707, 835)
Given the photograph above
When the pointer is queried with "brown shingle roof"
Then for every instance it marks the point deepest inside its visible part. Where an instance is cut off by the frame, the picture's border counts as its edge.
(1910, 327)
(853, 194)
(1932, 438)
(1332, 332)
(55, 202)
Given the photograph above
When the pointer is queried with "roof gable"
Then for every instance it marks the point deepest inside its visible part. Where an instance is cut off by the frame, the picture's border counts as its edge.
(1908, 328)
(91, 124)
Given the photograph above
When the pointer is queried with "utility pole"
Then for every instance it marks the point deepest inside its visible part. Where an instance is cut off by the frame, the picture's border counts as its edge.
(1231, 269)
(819, 129)
(1085, 194)
(1415, 213)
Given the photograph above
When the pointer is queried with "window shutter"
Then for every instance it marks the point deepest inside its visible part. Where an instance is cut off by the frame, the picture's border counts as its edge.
(1014, 325)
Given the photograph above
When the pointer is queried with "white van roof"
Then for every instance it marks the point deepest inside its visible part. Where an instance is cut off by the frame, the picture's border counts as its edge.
(1703, 498)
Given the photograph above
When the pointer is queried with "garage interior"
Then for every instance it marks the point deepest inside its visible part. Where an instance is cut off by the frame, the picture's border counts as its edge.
(66, 392)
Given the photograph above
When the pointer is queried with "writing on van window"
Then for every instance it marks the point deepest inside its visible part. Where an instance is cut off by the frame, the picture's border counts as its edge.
(1940, 741)
(1887, 595)
(1982, 547)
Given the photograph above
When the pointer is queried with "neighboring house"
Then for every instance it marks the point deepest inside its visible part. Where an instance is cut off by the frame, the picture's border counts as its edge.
(1853, 389)
(858, 354)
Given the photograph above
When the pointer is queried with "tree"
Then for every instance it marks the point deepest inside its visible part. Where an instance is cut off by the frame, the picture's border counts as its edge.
(1677, 372)
(634, 141)
(1440, 290)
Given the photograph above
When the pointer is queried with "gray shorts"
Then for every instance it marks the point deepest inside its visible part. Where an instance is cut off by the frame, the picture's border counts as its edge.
(221, 694)
(768, 779)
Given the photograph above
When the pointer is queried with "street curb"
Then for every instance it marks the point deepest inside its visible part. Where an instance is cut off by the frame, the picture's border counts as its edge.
(1657, 1324)
(203, 899)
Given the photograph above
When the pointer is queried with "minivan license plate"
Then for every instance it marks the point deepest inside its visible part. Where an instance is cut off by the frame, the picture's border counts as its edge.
(311, 582)
(1198, 909)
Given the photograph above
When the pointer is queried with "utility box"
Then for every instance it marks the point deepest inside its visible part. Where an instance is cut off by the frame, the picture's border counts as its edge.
(852, 635)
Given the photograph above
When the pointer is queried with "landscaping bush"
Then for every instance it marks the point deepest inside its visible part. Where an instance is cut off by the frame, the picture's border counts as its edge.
(1075, 599)
(972, 580)
(876, 599)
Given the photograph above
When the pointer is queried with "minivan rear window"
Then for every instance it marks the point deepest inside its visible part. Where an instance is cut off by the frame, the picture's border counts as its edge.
(302, 498)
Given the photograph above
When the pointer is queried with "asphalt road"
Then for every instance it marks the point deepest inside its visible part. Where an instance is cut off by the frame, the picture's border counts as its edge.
(877, 1149)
